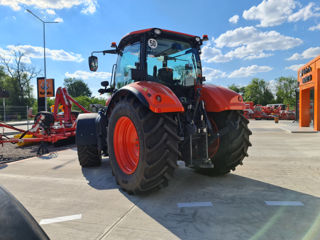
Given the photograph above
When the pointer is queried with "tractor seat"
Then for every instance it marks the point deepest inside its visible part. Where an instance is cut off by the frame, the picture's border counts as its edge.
(166, 75)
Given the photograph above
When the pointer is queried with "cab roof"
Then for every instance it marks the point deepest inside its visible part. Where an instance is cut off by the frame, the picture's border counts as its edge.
(135, 35)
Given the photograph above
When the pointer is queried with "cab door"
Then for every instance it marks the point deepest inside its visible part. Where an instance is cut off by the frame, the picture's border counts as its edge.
(128, 59)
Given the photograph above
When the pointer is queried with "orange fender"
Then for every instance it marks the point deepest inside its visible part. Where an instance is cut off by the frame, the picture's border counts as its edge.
(218, 99)
(157, 97)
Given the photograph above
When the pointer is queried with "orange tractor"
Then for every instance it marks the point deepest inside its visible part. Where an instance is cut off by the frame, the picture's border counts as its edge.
(160, 111)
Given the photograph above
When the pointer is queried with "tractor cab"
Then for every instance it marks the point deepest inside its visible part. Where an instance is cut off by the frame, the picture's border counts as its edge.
(157, 55)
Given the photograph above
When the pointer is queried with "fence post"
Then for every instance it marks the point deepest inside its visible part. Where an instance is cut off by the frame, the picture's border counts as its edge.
(27, 117)
(4, 109)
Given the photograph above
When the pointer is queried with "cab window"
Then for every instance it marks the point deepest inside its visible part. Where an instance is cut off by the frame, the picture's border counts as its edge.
(129, 59)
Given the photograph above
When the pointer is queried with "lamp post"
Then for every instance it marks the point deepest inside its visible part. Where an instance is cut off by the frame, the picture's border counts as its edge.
(44, 56)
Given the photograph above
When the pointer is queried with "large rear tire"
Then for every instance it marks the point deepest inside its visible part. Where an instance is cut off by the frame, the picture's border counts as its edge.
(229, 150)
(143, 146)
(89, 155)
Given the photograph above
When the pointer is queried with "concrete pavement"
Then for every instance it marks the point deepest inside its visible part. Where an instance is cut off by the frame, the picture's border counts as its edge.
(282, 167)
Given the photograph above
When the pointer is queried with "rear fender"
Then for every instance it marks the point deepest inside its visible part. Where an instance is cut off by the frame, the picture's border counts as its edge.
(218, 99)
(149, 94)
(86, 131)
(92, 129)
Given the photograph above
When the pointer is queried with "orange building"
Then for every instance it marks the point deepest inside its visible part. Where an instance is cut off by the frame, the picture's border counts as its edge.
(309, 94)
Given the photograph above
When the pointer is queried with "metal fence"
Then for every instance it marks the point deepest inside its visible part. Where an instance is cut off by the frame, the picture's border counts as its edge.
(14, 113)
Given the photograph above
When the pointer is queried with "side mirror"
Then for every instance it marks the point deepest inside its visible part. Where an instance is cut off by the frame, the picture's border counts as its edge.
(104, 90)
(93, 63)
(105, 84)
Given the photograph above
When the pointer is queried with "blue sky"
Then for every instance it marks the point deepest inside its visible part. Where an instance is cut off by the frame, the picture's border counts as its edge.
(265, 39)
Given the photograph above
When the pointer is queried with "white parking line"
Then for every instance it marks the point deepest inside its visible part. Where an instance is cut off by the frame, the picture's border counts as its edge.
(284, 203)
(194, 204)
(60, 219)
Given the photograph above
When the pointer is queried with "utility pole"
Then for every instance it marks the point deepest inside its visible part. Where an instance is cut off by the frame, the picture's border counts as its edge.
(4, 108)
(44, 56)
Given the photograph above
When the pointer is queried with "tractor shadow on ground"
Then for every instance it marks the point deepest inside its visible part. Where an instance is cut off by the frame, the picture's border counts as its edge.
(238, 207)
(100, 177)
(239, 210)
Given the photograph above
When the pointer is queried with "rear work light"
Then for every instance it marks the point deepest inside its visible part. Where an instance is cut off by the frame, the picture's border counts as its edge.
(157, 31)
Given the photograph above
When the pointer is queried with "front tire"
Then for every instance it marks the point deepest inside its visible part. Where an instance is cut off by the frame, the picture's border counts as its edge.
(143, 146)
(89, 155)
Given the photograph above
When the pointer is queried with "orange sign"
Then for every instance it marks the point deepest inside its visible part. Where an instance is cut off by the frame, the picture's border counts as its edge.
(41, 88)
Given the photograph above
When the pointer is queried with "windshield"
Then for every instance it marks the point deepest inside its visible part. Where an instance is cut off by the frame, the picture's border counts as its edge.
(172, 62)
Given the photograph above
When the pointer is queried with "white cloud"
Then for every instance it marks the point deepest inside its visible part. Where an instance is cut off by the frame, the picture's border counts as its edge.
(8, 55)
(87, 75)
(248, 43)
(91, 6)
(247, 53)
(37, 52)
(275, 12)
(254, 38)
(306, 54)
(304, 13)
(315, 28)
(212, 54)
(211, 73)
(88, 6)
(59, 20)
(51, 12)
(270, 12)
(249, 71)
(234, 19)
(294, 67)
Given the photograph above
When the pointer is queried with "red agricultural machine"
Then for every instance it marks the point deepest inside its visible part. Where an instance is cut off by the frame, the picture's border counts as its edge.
(248, 111)
(161, 111)
(48, 127)
(268, 112)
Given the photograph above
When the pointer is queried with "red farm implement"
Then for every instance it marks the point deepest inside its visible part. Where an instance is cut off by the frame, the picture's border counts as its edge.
(248, 111)
(268, 112)
(48, 127)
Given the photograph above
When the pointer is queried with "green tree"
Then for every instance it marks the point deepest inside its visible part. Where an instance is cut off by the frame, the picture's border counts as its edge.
(86, 101)
(258, 92)
(3, 75)
(238, 89)
(286, 90)
(77, 87)
(17, 79)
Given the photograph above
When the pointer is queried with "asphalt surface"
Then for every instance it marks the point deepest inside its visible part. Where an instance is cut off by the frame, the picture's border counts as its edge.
(274, 195)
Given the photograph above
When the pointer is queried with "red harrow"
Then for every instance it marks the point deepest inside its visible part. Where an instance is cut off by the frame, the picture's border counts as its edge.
(48, 127)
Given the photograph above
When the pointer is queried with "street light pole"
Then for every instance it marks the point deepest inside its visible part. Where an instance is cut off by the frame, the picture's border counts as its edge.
(44, 56)
(45, 66)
